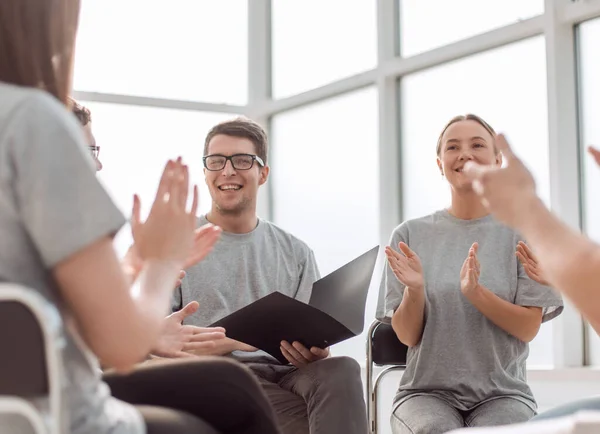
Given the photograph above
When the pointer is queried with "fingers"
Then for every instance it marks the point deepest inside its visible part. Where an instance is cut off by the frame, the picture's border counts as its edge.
(135, 211)
(176, 187)
(595, 153)
(164, 187)
(475, 248)
(304, 352)
(320, 353)
(295, 354)
(406, 250)
(189, 309)
(204, 240)
(195, 201)
(185, 185)
(503, 146)
(475, 172)
(289, 357)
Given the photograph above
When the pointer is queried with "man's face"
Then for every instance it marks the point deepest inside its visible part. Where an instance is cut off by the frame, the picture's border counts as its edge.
(233, 190)
(91, 142)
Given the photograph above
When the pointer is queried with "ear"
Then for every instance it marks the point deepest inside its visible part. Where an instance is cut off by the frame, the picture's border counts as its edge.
(264, 175)
(439, 163)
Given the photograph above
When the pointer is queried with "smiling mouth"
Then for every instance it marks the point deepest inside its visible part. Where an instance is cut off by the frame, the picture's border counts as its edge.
(229, 187)
(459, 170)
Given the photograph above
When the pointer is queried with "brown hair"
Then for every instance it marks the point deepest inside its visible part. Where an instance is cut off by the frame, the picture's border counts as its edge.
(467, 117)
(244, 128)
(37, 42)
(82, 113)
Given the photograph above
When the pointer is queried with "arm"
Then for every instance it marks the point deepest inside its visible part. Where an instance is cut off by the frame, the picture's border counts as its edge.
(570, 261)
(520, 321)
(408, 321)
(406, 270)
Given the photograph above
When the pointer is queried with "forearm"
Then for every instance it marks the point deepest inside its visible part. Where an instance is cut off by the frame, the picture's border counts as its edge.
(570, 261)
(521, 322)
(407, 321)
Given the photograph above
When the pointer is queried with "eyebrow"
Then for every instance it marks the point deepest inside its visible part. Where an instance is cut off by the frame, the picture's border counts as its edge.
(472, 138)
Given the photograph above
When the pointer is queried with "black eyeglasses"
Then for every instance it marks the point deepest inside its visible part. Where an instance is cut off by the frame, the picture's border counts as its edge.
(238, 161)
(95, 150)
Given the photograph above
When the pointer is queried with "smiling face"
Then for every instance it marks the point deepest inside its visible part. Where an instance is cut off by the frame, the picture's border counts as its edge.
(462, 141)
(234, 191)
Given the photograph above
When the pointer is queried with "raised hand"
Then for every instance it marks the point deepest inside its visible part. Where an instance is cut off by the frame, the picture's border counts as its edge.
(595, 153)
(298, 355)
(470, 271)
(168, 233)
(530, 263)
(205, 238)
(406, 266)
(507, 192)
(177, 340)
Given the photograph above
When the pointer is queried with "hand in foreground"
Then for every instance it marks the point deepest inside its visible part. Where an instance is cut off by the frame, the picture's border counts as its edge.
(298, 355)
(224, 347)
(595, 153)
(507, 192)
(406, 266)
(470, 272)
(169, 232)
(177, 340)
(530, 264)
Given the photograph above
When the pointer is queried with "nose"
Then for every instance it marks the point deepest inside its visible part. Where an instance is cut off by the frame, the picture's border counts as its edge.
(228, 170)
(465, 155)
(98, 165)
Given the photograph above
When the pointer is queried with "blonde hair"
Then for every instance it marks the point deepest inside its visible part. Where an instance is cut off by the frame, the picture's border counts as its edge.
(467, 117)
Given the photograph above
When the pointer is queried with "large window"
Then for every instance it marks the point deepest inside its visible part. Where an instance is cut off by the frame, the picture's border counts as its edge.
(316, 42)
(510, 98)
(589, 35)
(135, 143)
(179, 49)
(427, 24)
(325, 183)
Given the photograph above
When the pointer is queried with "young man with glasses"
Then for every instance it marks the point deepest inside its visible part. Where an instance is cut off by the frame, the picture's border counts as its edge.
(314, 393)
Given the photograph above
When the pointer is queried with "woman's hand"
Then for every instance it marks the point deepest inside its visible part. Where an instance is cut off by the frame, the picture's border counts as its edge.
(530, 264)
(470, 272)
(406, 266)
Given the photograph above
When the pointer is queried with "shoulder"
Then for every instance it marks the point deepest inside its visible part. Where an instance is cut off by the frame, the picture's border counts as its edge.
(415, 226)
(285, 239)
(33, 112)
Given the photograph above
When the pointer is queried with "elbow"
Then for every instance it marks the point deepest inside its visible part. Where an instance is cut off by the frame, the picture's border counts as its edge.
(529, 333)
(406, 337)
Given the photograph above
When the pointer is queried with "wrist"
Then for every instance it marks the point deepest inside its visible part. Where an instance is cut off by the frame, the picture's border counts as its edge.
(415, 289)
(474, 294)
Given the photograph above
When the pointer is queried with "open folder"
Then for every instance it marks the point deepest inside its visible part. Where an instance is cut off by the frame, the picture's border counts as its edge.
(335, 312)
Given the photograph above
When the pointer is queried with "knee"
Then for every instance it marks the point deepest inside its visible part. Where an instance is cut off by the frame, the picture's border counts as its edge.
(424, 425)
(337, 369)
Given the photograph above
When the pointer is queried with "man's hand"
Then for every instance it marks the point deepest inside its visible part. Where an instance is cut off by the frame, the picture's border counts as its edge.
(595, 153)
(470, 271)
(530, 264)
(298, 355)
(507, 192)
(177, 340)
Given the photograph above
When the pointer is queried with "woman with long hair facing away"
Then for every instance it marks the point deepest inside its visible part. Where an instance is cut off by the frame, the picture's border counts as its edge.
(459, 298)
(57, 224)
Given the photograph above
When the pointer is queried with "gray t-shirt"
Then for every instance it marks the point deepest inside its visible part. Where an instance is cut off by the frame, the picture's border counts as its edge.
(463, 357)
(51, 207)
(243, 268)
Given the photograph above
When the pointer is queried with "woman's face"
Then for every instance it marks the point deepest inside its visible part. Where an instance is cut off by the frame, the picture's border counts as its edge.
(465, 141)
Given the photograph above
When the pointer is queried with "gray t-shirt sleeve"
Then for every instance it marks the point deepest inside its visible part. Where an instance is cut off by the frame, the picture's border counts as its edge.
(532, 294)
(309, 274)
(62, 205)
(391, 288)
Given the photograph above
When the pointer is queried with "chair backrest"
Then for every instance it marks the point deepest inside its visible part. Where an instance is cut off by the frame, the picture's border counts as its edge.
(32, 342)
(386, 349)
(23, 363)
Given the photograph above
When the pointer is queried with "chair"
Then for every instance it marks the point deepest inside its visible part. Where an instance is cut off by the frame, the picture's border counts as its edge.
(32, 341)
(383, 349)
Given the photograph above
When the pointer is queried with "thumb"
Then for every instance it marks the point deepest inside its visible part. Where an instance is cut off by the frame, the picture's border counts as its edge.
(135, 212)
(189, 309)
(503, 146)
(406, 250)
(474, 171)
(475, 247)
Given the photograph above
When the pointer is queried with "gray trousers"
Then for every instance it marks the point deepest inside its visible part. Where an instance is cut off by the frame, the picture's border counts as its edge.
(325, 397)
(592, 404)
(426, 414)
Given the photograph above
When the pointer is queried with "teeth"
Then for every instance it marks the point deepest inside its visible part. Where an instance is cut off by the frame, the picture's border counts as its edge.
(230, 187)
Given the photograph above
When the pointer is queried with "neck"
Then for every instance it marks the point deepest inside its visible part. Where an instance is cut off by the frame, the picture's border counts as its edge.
(236, 223)
(467, 206)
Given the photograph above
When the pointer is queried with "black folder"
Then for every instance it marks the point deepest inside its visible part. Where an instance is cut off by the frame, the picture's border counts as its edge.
(335, 312)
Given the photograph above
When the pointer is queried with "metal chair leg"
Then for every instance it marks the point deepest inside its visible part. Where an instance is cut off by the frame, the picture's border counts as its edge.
(369, 383)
